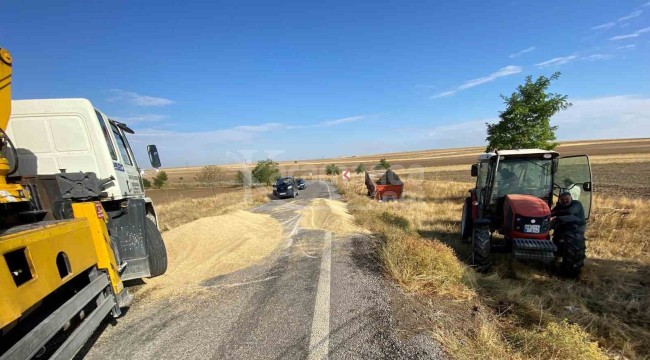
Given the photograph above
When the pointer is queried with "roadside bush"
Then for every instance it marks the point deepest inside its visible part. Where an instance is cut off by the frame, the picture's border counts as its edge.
(146, 183)
(243, 179)
(383, 164)
(210, 176)
(360, 168)
(266, 171)
(160, 180)
(332, 169)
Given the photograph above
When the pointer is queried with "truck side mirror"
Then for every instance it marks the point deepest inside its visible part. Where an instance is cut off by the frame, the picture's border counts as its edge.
(154, 158)
(474, 170)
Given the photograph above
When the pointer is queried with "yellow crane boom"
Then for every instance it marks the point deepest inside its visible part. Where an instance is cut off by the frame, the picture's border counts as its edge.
(39, 258)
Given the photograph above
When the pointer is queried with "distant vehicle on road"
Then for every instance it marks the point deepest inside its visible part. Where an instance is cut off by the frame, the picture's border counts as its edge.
(301, 184)
(285, 187)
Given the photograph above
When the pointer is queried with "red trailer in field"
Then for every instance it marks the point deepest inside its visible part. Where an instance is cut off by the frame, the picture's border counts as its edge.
(384, 185)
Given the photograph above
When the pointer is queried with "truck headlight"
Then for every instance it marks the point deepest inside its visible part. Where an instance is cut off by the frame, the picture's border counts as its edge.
(289, 187)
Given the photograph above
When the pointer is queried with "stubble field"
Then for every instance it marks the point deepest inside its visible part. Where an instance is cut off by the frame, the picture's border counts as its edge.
(620, 167)
(518, 311)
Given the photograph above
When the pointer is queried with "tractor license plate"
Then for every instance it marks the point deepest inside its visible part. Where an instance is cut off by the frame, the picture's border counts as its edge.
(531, 228)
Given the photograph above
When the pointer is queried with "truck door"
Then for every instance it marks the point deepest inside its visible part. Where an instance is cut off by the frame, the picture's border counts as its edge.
(574, 175)
(128, 168)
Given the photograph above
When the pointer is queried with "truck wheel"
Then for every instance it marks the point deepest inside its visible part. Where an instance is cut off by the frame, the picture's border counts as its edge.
(157, 251)
(152, 217)
(466, 220)
(481, 248)
(573, 256)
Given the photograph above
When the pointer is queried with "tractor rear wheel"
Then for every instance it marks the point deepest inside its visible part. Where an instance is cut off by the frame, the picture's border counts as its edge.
(481, 248)
(157, 250)
(466, 220)
(573, 256)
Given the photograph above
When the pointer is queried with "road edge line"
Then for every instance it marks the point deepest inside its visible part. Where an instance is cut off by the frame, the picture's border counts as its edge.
(320, 326)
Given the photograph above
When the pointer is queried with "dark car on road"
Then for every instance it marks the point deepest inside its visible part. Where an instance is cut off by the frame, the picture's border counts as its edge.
(285, 187)
(301, 184)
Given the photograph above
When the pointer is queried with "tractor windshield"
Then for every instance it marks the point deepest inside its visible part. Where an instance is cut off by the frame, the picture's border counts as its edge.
(523, 176)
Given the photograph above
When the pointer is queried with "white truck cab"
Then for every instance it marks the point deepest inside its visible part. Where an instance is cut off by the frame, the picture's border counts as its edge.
(55, 138)
(73, 136)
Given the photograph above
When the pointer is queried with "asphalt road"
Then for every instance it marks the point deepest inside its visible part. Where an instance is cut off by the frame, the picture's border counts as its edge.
(317, 296)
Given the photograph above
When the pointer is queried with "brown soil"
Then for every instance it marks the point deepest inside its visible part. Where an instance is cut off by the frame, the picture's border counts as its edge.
(168, 195)
(627, 179)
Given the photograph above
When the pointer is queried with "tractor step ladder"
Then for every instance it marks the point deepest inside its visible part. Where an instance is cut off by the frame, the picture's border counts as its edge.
(533, 249)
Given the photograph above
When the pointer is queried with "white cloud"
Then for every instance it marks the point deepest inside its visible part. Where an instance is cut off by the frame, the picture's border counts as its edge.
(133, 98)
(444, 94)
(140, 118)
(626, 47)
(459, 134)
(609, 117)
(519, 53)
(209, 147)
(504, 71)
(330, 122)
(233, 134)
(632, 35)
(557, 61)
(604, 26)
(342, 121)
(632, 15)
(595, 57)
(258, 128)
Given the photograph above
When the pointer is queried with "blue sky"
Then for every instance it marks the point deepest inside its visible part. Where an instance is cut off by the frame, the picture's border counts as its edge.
(301, 79)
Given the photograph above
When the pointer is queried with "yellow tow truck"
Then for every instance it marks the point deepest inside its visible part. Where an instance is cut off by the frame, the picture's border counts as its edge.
(59, 278)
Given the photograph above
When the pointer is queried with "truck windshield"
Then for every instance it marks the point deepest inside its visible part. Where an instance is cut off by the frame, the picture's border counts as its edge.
(523, 176)
(107, 137)
(122, 145)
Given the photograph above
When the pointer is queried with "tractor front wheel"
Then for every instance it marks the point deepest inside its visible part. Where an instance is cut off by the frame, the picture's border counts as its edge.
(481, 248)
(573, 255)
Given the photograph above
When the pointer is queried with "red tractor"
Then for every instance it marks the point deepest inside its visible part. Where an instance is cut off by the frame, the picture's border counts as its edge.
(514, 195)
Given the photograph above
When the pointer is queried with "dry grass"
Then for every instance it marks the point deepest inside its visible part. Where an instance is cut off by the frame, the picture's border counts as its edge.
(518, 310)
(176, 213)
(559, 341)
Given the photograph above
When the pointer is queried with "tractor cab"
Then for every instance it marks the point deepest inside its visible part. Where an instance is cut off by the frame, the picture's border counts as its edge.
(514, 172)
(514, 194)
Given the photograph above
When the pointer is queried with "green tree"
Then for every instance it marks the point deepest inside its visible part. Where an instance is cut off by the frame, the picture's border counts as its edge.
(526, 121)
(210, 176)
(360, 168)
(266, 171)
(146, 183)
(242, 179)
(383, 164)
(160, 179)
(332, 169)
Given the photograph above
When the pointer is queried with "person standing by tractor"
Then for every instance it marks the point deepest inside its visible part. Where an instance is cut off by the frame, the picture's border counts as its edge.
(572, 188)
(569, 226)
(569, 214)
